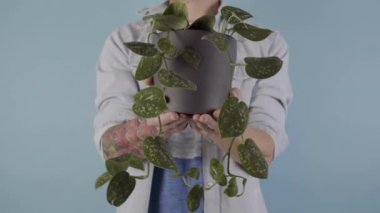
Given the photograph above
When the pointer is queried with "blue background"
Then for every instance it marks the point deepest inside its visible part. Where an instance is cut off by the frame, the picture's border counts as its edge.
(48, 50)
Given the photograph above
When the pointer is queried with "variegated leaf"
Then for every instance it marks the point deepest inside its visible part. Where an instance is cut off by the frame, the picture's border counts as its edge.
(141, 48)
(156, 151)
(219, 40)
(252, 159)
(170, 79)
(177, 9)
(251, 32)
(192, 57)
(169, 22)
(232, 188)
(149, 103)
(234, 15)
(233, 119)
(217, 172)
(102, 179)
(194, 197)
(262, 68)
(120, 187)
(148, 66)
(166, 47)
(193, 173)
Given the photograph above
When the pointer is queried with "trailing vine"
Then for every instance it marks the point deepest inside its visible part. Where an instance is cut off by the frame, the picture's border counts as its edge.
(150, 103)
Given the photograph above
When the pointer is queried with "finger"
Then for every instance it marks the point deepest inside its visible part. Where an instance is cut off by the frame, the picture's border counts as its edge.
(166, 118)
(209, 121)
(235, 92)
(216, 114)
(145, 131)
(196, 117)
(174, 124)
(204, 129)
(149, 81)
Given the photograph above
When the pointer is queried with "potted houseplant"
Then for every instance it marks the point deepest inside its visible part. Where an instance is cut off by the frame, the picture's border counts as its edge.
(174, 55)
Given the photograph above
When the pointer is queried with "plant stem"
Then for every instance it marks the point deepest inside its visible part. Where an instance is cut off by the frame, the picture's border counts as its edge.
(160, 124)
(147, 173)
(186, 182)
(165, 63)
(229, 156)
(238, 64)
(224, 26)
(210, 187)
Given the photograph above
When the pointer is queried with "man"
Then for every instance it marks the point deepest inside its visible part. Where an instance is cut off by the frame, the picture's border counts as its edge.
(118, 131)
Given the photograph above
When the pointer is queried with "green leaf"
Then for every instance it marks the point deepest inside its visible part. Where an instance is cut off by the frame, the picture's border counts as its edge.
(141, 48)
(194, 198)
(219, 40)
(130, 160)
(135, 162)
(156, 151)
(102, 179)
(149, 103)
(233, 119)
(217, 172)
(192, 57)
(232, 188)
(252, 160)
(170, 79)
(177, 9)
(251, 32)
(169, 22)
(148, 66)
(262, 68)
(114, 166)
(234, 15)
(205, 22)
(145, 18)
(193, 173)
(119, 189)
(166, 47)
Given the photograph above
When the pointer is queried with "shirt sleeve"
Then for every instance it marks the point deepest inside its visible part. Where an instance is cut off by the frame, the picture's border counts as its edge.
(271, 98)
(115, 87)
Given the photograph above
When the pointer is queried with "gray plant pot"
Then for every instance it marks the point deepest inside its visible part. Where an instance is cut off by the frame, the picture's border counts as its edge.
(213, 78)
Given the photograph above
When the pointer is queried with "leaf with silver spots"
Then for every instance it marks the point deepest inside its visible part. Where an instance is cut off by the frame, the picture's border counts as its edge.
(156, 151)
(252, 159)
(219, 40)
(120, 188)
(251, 32)
(102, 179)
(148, 66)
(262, 68)
(192, 57)
(234, 15)
(217, 172)
(194, 197)
(233, 119)
(141, 48)
(170, 79)
(149, 103)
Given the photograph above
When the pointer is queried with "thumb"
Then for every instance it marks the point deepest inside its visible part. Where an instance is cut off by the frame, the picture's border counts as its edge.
(235, 92)
(149, 81)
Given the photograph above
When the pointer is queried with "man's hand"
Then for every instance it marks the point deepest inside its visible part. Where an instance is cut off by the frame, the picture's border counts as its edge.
(128, 137)
(207, 125)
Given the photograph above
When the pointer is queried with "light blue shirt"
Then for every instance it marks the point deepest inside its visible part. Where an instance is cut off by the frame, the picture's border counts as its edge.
(268, 101)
